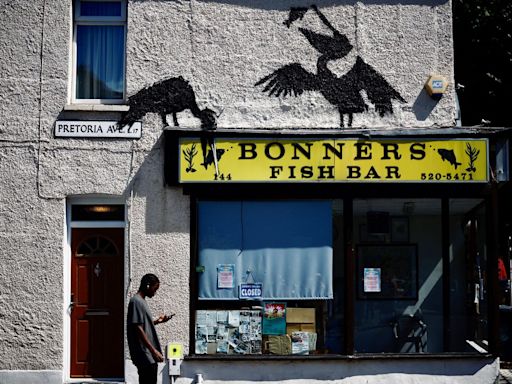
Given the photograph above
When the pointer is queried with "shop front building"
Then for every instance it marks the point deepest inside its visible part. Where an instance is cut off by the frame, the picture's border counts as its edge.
(293, 173)
(352, 251)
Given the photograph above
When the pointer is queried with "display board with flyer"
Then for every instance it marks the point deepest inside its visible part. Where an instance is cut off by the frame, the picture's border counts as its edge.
(228, 332)
(273, 329)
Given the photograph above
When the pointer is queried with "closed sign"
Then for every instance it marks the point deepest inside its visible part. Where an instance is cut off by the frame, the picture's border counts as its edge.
(251, 291)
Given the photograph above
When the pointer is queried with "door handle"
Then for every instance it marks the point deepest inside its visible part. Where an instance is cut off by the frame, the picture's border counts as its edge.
(71, 303)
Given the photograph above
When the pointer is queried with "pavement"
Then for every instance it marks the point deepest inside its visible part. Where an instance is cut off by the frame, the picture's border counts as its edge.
(505, 376)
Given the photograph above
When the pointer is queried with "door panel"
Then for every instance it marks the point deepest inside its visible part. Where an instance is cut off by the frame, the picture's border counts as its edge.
(97, 314)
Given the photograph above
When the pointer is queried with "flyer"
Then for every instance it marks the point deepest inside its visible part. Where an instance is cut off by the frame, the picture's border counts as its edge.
(372, 280)
(255, 325)
(222, 317)
(300, 343)
(201, 339)
(225, 275)
(222, 339)
(274, 319)
(234, 319)
(211, 318)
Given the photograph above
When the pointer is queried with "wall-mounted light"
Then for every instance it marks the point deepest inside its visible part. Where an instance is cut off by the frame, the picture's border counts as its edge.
(100, 208)
(436, 86)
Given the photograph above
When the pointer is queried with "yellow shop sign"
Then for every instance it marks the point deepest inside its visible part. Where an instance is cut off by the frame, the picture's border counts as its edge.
(332, 160)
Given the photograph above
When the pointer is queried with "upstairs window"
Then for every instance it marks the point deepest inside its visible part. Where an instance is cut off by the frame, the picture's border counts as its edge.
(99, 51)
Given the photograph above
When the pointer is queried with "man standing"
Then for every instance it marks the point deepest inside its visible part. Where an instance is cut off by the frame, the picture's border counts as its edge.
(145, 349)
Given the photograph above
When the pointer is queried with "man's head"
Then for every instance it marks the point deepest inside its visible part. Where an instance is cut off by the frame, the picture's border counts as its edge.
(149, 284)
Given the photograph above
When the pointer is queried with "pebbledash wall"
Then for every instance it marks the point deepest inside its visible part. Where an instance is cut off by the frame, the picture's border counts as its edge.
(222, 49)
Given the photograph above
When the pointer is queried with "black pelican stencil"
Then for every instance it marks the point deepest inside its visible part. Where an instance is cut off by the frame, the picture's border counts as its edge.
(165, 97)
(210, 160)
(343, 92)
(449, 155)
(171, 96)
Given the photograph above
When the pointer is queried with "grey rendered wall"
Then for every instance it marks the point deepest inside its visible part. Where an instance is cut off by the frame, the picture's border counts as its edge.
(38, 172)
(31, 225)
(222, 48)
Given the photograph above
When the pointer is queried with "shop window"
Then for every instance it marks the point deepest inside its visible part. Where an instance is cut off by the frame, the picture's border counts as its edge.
(281, 253)
(286, 246)
(290, 256)
(99, 51)
(468, 276)
(401, 296)
(399, 286)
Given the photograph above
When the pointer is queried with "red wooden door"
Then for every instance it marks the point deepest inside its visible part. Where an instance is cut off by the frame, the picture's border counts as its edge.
(97, 314)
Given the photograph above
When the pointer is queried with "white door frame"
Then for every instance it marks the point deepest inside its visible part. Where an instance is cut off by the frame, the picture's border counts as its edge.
(69, 225)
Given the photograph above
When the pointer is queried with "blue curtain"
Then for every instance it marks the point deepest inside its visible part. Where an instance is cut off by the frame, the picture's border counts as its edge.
(286, 245)
(100, 59)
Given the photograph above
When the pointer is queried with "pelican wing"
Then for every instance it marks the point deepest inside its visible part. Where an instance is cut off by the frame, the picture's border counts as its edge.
(378, 90)
(288, 80)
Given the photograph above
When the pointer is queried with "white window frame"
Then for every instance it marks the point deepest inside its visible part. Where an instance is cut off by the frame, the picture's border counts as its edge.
(97, 20)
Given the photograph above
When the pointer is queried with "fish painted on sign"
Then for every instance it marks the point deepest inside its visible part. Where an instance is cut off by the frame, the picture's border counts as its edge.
(449, 155)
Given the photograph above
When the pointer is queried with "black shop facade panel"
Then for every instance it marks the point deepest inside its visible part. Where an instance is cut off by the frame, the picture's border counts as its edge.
(334, 245)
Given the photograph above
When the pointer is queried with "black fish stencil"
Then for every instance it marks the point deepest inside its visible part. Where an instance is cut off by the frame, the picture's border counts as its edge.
(449, 155)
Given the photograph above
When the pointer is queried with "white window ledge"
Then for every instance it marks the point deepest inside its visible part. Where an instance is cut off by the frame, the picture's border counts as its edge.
(97, 107)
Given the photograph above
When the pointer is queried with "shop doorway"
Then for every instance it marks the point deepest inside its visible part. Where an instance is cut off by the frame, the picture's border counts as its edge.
(97, 303)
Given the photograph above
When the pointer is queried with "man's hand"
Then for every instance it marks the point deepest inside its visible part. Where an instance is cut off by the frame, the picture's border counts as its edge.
(144, 339)
(163, 319)
(157, 356)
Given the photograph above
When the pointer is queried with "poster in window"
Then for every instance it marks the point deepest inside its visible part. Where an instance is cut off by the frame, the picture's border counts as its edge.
(372, 280)
(201, 339)
(398, 266)
(225, 276)
(300, 343)
(274, 319)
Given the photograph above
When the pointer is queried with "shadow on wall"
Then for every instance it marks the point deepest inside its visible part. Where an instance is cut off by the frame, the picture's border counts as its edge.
(423, 105)
(166, 208)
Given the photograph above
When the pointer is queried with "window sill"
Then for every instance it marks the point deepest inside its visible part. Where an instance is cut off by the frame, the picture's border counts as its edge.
(97, 107)
(365, 356)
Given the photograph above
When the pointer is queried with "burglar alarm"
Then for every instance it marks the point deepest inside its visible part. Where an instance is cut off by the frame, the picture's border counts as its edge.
(436, 86)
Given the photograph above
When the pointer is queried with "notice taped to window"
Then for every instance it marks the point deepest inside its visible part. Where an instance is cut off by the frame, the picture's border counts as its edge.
(372, 280)
(225, 276)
